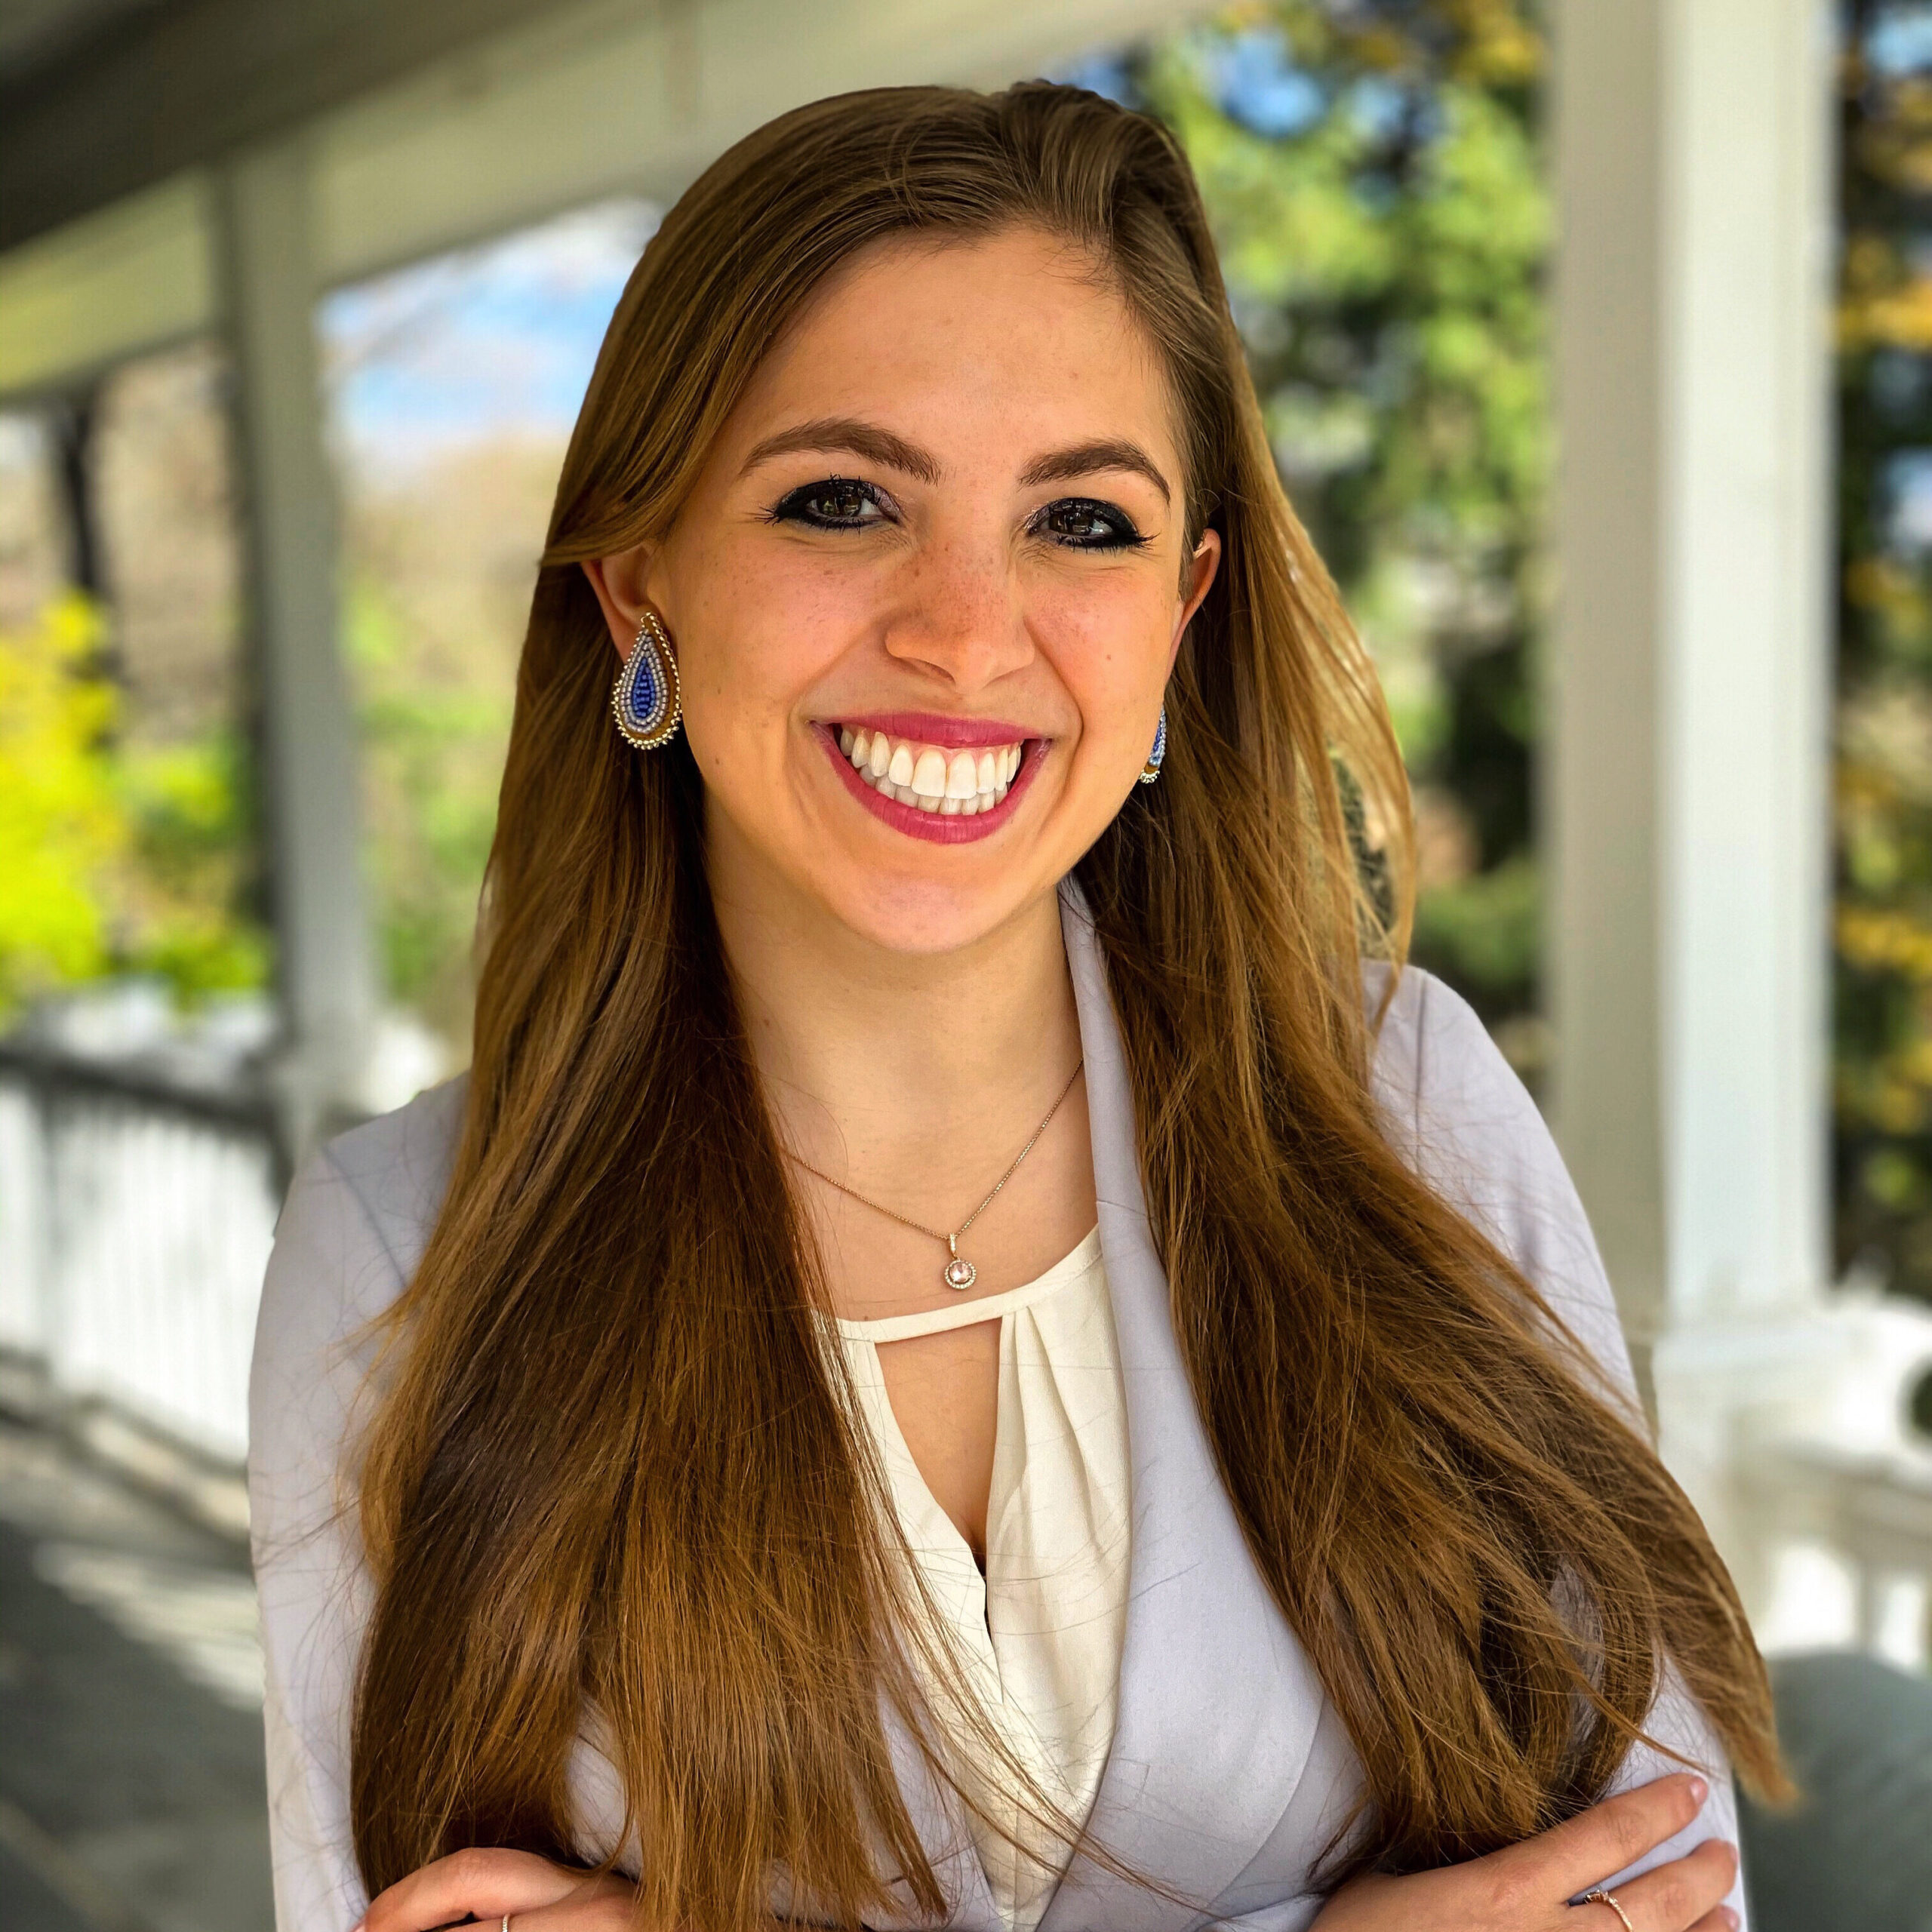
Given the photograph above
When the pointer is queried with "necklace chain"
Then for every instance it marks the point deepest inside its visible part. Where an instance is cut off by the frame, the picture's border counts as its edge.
(959, 1273)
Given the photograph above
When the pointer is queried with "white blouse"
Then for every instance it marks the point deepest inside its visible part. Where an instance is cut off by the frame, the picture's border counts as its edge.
(1230, 1769)
(1039, 1634)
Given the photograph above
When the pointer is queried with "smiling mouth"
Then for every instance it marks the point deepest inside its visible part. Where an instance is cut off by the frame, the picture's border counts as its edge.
(945, 794)
(952, 783)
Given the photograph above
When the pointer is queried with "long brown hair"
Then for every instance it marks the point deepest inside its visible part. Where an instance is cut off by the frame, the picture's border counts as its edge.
(611, 1471)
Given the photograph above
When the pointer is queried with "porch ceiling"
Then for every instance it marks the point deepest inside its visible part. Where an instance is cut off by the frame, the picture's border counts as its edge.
(423, 125)
(99, 98)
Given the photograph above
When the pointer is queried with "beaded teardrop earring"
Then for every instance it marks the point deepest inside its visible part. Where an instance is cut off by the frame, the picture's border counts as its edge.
(1151, 770)
(645, 700)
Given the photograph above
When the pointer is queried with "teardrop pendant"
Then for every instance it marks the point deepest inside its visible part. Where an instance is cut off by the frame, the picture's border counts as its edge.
(1151, 770)
(646, 701)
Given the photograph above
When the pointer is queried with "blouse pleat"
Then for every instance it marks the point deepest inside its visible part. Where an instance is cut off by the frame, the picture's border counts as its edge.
(1038, 1635)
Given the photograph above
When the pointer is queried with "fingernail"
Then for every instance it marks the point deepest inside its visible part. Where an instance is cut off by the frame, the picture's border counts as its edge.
(1699, 1790)
(1729, 1917)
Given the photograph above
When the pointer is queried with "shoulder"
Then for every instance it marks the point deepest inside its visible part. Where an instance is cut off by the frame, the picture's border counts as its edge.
(352, 1228)
(351, 1231)
(1450, 1102)
(1453, 1108)
(1437, 1073)
(396, 1169)
(358, 1213)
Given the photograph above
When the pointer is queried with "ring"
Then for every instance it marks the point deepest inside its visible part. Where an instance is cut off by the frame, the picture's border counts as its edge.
(1600, 1896)
(506, 1926)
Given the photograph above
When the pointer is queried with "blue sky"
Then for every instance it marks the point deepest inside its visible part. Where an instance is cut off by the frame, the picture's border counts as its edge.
(489, 340)
(499, 339)
(1900, 38)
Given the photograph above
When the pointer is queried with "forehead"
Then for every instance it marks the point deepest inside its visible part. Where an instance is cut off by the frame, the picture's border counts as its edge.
(1019, 337)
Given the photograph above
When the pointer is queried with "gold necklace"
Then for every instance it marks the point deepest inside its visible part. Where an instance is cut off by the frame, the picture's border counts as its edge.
(958, 1273)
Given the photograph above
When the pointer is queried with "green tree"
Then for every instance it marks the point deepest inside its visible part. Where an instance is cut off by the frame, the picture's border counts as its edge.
(1373, 175)
(1882, 1084)
(114, 858)
(63, 827)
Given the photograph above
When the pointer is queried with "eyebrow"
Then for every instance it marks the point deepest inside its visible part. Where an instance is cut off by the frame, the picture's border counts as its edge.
(857, 438)
(1083, 459)
(876, 445)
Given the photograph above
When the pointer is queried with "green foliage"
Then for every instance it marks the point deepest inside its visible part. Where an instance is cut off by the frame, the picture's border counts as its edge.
(1490, 923)
(114, 858)
(61, 825)
(189, 868)
(1882, 1070)
(1373, 176)
(432, 751)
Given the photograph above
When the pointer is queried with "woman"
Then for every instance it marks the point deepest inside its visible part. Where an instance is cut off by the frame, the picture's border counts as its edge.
(959, 1359)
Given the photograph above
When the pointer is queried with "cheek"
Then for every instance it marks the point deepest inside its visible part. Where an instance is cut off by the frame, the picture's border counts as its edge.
(760, 630)
(1107, 638)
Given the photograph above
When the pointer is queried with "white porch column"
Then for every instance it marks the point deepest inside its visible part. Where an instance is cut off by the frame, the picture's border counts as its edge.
(265, 221)
(1689, 719)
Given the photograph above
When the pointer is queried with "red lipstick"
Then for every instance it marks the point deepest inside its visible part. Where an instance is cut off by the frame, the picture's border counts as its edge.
(932, 727)
(936, 827)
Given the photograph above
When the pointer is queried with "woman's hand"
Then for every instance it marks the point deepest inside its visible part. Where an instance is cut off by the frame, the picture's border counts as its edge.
(484, 1885)
(1527, 1887)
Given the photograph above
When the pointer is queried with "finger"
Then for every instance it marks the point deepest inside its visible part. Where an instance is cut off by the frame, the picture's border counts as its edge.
(1570, 1858)
(481, 1882)
(606, 1912)
(1722, 1920)
(1674, 1897)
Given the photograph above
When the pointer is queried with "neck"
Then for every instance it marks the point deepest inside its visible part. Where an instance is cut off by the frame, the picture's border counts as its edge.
(878, 1062)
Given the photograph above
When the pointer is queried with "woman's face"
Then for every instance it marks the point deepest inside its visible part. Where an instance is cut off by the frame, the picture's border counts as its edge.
(927, 593)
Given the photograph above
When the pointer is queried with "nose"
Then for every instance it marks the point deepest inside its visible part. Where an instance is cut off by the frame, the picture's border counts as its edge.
(958, 616)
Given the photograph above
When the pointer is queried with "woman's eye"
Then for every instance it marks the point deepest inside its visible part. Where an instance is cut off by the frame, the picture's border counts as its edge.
(837, 502)
(1082, 524)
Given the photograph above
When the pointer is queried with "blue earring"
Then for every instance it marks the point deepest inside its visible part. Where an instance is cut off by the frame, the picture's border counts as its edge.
(1152, 770)
(646, 701)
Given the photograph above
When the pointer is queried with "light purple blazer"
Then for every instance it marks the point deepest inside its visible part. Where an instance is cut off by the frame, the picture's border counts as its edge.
(1230, 1769)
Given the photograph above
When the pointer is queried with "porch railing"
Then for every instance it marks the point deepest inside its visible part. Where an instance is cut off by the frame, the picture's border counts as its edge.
(136, 1217)
(135, 1220)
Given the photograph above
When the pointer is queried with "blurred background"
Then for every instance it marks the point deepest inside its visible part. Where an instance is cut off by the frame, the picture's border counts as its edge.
(1595, 338)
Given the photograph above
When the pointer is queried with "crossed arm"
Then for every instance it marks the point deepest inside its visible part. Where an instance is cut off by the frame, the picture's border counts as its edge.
(1537, 1886)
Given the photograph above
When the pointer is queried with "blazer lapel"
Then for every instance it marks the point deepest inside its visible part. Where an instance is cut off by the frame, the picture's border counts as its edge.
(1218, 1704)
(940, 1821)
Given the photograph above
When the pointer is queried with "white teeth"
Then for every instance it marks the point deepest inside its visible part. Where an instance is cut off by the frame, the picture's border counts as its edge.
(929, 774)
(962, 775)
(959, 784)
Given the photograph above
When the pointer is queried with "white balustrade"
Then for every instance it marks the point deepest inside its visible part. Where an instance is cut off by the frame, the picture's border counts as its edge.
(134, 1231)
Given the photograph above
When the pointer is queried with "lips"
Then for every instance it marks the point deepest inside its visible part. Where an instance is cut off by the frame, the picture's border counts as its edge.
(958, 783)
(945, 780)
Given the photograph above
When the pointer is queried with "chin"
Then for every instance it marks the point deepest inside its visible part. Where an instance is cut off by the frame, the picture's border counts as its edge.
(924, 918)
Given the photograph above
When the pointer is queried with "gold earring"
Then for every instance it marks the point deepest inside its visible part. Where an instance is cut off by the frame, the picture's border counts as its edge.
(1151, 770)
(646, 701)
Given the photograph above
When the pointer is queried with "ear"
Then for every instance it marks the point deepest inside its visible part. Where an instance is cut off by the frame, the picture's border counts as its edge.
(618, 582)
(1201, 571)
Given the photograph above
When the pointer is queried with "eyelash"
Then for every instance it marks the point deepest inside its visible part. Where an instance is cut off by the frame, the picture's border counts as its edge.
(792, 507)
